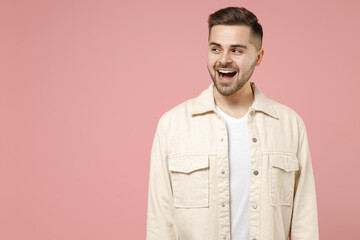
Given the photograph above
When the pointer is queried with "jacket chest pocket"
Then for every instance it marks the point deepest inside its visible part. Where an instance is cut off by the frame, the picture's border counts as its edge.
(282, 179)
(190, 180)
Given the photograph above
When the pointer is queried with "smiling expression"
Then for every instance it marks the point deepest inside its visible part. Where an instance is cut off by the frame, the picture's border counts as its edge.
(232, 57)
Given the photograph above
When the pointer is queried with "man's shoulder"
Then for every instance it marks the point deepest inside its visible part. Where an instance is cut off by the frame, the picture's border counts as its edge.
(180, 108)
(177, 112)
(181, 111)
(286, 113)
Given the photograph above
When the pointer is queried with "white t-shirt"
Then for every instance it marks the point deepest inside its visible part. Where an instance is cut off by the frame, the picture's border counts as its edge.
(239, 157)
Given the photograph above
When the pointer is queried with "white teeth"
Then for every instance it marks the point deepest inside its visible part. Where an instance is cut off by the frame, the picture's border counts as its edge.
(224, 71)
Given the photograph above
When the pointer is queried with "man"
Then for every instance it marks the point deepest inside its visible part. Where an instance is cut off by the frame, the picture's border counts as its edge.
(231, 163)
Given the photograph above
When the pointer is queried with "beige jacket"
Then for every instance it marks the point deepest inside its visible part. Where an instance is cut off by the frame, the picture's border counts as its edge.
(189, 192)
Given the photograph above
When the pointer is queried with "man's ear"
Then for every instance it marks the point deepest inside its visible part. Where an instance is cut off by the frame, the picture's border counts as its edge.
(259, 56)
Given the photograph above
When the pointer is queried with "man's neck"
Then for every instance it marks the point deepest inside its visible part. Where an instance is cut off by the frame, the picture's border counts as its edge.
(237, 104)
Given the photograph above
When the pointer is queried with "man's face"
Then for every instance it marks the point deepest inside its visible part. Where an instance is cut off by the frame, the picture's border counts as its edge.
(231, 57)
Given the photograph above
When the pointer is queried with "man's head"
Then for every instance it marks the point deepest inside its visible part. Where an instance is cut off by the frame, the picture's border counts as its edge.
(238, 16)
(235, 44)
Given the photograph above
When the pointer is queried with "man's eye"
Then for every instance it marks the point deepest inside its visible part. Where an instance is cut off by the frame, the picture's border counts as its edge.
(237, 51)
(215, 49)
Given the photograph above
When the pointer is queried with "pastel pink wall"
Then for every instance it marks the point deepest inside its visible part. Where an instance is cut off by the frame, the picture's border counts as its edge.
(83, 84)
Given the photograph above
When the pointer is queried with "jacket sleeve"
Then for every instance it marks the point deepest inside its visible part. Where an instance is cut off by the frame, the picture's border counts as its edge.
(304, 224)
(160, 208)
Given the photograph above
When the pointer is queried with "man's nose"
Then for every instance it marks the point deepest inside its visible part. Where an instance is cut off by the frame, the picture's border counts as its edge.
(225, 58)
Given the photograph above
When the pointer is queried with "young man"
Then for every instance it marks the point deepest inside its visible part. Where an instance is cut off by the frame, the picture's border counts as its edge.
(231, 163)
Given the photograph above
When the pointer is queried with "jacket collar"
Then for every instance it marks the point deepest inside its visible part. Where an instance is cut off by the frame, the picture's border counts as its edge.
(205, 101)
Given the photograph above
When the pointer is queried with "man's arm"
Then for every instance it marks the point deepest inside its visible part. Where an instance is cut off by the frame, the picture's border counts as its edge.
(304, 225)
(160, 211)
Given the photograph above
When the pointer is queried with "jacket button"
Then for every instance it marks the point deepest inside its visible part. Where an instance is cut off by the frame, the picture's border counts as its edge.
(224, 237)
(254, 140)
(254, 206)
(222, 139)
(256, 172)
(251, 113)
(222, 172)
(223, 204)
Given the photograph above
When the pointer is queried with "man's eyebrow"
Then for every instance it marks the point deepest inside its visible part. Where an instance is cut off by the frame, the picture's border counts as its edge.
(234, 45)
(214, 43)
(239, 45)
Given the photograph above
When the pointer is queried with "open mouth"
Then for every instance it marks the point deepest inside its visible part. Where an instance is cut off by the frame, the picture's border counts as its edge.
(226, 74)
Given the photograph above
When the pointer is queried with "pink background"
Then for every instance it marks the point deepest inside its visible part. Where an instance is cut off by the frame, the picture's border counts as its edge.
(83, 84)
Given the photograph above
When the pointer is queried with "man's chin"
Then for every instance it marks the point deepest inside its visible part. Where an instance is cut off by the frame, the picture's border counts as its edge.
(225, 89)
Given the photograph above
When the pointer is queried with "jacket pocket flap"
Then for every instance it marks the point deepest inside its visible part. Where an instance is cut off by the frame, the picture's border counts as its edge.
(189, 163)
(287, 163)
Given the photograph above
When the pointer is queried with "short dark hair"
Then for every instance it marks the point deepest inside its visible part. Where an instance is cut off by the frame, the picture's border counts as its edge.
(238, 16)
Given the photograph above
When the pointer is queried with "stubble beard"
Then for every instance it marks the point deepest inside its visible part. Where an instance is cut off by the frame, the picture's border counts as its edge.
(236, 85)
